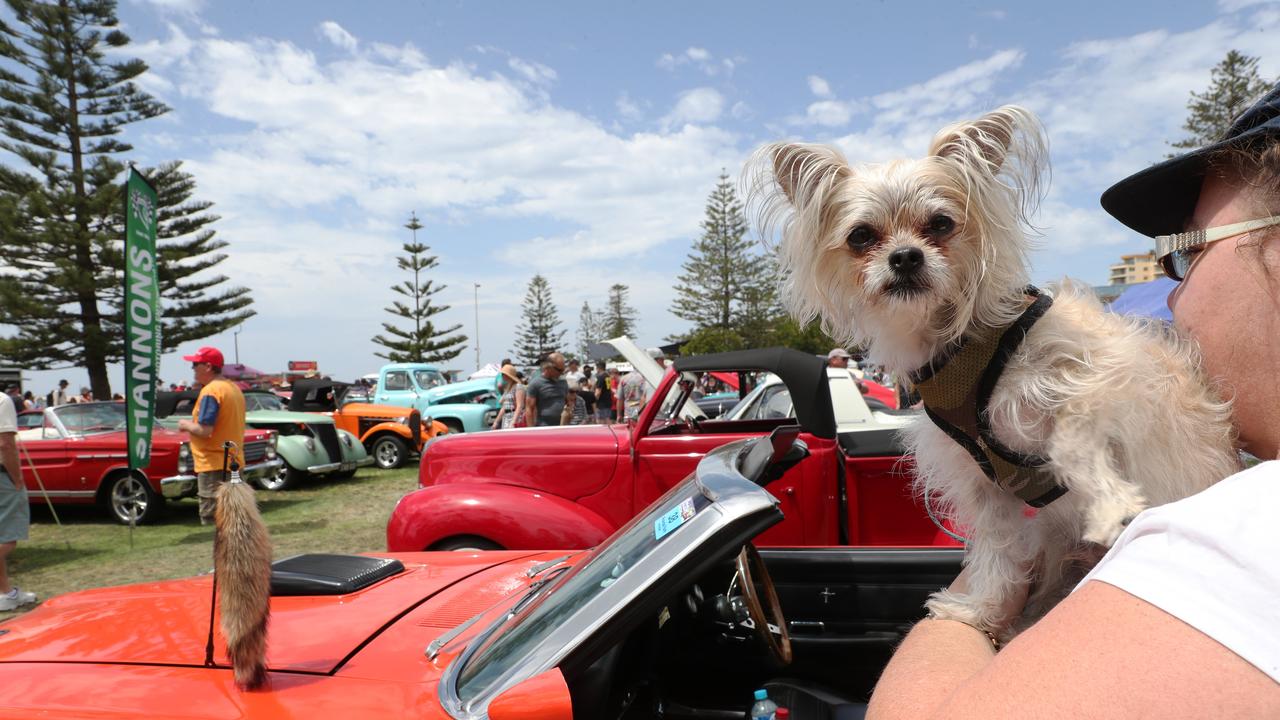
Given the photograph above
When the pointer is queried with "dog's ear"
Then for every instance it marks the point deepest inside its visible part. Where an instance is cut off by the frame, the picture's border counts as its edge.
(801, 169)
(988, 139)
(1006, 146)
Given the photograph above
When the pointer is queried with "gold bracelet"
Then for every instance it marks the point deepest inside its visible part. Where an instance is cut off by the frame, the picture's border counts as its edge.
(995, 643)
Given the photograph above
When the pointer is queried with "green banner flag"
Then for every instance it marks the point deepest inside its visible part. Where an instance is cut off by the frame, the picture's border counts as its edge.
(141, 316)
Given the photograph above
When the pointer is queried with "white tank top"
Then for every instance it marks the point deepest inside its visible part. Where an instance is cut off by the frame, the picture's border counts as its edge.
(1212, 561)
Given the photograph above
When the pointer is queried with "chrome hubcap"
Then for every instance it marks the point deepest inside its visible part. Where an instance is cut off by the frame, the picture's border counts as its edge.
(387, 454)
(129, 498)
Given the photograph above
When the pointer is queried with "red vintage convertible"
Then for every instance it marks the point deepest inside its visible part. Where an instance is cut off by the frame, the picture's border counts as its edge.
(675, 616)
(573, 486)
(77, 454)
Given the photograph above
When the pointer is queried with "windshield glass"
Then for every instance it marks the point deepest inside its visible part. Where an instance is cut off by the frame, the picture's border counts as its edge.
(428, 379)
(263, 401)
(591, 576)
(91, 418)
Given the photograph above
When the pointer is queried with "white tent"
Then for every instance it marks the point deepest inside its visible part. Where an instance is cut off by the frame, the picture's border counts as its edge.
(487, 371)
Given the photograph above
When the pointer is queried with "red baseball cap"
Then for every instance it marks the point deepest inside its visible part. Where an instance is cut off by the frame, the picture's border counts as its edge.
(206, 354)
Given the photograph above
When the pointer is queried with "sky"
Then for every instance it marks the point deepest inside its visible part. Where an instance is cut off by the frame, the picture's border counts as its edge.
(580, 140)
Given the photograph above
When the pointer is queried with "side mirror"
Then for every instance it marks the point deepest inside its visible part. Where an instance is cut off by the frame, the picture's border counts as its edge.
(768, 458)
(541, 697)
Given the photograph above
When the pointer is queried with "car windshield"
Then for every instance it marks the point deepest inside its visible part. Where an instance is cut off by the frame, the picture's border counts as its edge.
(591, 576)
(91, 418)
(263, 401)
(428, 379)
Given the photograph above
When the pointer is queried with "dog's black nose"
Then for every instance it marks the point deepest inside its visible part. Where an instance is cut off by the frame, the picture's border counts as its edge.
(906, 260)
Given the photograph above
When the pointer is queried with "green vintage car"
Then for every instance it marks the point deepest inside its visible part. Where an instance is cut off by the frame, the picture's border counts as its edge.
(310, 445)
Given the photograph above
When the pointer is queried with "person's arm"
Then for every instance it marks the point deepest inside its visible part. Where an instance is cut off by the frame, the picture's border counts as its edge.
(202, 426)
(1101, 653)
(530, 410)
(9, 457)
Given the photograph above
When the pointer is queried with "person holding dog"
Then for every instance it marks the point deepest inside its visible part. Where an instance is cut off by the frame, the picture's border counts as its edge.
(1180, 619)
(217, 418)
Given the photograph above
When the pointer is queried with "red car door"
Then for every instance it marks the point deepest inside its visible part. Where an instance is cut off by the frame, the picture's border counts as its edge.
(45, 459)
(666, 449)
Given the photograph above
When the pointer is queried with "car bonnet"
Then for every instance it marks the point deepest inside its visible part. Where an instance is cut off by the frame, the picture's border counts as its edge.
(167, 623)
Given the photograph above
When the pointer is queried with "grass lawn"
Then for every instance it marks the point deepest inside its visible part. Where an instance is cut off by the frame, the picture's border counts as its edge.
(344, 516)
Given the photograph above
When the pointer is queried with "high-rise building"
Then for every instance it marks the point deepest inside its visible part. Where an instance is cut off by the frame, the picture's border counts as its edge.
(1133, 269)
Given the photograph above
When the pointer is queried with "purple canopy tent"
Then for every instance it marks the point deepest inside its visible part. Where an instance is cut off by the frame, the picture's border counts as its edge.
(1149, 299)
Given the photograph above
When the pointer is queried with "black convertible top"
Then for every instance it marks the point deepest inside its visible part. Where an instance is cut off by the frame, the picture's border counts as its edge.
(167, 401)
(805, 375)
(317, 395)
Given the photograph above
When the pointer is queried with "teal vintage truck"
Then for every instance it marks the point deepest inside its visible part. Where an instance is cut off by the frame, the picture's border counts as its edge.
(467, 406)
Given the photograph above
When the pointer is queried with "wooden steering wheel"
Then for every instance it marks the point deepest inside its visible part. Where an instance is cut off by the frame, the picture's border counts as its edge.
(770, 626)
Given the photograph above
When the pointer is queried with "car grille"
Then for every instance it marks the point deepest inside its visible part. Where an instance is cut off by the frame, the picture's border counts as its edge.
(255, 451)
(328, 436)
(366, 423)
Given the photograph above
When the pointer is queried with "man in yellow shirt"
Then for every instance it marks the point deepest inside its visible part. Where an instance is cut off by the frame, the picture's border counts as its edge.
(217, 418)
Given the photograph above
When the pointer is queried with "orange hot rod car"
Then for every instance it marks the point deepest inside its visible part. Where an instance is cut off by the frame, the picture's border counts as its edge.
(391, 434)
(675, 615)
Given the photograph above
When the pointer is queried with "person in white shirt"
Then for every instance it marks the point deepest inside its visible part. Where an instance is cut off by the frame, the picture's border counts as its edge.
(1181, 618)
(15, 513)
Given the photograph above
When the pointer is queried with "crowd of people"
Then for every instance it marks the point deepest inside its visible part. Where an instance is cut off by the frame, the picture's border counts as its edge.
(60, 395)
(563, 391)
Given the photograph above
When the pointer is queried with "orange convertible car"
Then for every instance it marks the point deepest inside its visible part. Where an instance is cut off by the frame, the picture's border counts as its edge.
(674, 616)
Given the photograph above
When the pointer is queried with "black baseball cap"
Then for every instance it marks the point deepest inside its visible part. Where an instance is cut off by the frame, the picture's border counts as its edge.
(1160, 199)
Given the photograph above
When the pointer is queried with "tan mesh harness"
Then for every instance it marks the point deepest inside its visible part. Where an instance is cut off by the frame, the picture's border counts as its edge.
(956, 388)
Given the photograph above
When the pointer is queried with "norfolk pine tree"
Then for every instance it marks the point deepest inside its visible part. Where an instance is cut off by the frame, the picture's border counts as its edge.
(422, 343)
(539, 331)
(619, 317)
(1234, 85)
(62, 106)
(725, 290)
(588, 331)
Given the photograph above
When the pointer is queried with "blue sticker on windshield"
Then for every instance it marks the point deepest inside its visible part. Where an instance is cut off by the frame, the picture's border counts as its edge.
(673, 518)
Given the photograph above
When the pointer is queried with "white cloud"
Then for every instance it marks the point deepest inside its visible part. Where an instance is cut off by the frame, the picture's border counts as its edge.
(628, 108)
(819, 87)
(700, 58)
(700, 105)
(336, 34)
(189, 7)
(830, 113)
(1231, 6)
(536, 73)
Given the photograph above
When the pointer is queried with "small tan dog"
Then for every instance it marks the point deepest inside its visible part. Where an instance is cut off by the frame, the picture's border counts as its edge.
(924, 263)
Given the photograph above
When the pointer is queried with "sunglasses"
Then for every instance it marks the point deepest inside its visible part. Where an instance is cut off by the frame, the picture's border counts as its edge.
(1178, 251)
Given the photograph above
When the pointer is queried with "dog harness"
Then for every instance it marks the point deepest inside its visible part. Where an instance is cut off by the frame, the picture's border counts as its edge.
(956, 388)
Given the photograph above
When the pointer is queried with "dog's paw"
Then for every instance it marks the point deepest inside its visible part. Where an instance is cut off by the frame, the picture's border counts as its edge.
(968, 609)
(1108, 518)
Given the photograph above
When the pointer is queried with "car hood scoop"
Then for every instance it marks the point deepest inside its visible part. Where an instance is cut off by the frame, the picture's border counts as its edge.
(167, 623)
(319, 574)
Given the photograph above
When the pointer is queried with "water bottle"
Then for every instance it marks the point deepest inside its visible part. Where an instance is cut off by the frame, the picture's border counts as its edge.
(764, 708)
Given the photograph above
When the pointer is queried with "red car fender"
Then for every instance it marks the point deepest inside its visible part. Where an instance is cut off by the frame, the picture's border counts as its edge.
(515, 518)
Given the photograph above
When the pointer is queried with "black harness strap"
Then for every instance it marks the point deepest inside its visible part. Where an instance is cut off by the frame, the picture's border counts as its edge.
(956, 388)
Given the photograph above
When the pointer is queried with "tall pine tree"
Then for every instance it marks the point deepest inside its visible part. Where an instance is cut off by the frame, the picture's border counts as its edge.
(62, 107)
(1234, 85)
(725, 289)
(588, 332)
(539, 331)
(423, 342)
(619, 316)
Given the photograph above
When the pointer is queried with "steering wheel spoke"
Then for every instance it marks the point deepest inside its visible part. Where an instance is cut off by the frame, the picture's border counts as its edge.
(763, 609)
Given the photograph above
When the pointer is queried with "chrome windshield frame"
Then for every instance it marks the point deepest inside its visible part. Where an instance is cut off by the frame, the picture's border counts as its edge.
(731, 498)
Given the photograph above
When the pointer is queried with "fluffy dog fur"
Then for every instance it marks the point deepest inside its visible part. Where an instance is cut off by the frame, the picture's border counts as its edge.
(1117, 405)
(242, 561)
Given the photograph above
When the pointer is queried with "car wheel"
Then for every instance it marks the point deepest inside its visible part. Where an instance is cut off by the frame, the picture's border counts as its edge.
(130, 498)
(389, 452)
(283, 478)
(466, 543)
(454, 425)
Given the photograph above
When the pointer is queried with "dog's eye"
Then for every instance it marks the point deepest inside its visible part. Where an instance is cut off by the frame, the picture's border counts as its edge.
(861, 237)
(941, 225)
